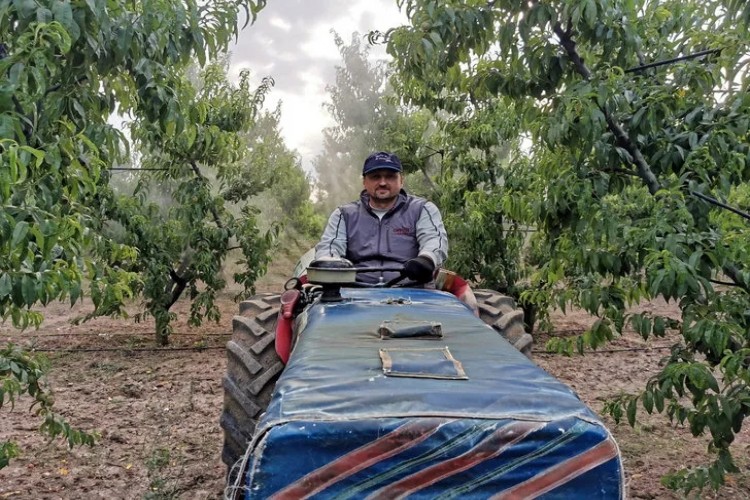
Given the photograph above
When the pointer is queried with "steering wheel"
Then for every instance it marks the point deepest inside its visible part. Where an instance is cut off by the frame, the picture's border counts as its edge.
(338, 272)
(397, 282)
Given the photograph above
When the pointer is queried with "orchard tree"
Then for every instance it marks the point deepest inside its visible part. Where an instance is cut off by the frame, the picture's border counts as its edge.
(637, 116)
(472, 137)
(286, 195)
(367, 119)
(66, 68)
(182, 243)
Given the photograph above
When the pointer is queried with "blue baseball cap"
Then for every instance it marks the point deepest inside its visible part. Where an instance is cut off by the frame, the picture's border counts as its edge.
(381, 159)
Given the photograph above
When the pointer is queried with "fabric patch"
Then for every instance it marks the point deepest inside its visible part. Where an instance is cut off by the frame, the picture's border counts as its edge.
(403, 329)
(422, 363)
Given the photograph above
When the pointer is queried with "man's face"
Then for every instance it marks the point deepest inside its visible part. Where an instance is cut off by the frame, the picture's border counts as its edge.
(383, 185)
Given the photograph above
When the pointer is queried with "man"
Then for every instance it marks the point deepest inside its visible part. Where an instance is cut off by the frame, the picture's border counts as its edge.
(386, 227)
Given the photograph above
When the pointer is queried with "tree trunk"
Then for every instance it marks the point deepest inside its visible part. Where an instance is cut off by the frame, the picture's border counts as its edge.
(162, 327)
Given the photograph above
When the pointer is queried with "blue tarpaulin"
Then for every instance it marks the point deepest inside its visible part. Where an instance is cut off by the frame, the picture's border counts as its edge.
(339, 427)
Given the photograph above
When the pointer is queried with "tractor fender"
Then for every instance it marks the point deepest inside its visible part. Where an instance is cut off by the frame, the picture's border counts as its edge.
(284, 333)
(450, 282)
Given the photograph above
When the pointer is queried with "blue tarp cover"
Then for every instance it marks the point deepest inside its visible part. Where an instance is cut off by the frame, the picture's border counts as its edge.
(338, 427)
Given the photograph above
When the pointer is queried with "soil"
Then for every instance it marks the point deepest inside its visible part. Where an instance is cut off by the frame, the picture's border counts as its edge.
(156, 410)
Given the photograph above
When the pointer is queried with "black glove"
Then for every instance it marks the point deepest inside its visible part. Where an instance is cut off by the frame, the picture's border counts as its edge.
(419, 269)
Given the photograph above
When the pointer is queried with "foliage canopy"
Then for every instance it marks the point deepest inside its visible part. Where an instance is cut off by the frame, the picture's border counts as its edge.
(66, 68)
(358, 105)
(632, 113)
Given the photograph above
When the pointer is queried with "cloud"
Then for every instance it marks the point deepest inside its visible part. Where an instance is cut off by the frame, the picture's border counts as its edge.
(291, 41)
(278, 22)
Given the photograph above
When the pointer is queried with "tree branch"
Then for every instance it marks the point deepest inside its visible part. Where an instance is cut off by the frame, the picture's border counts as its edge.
(644, 169)
(725, 283)
(642, 166)
(179, 281)
(615, 170)
(176, 277)
(27, 125)
(422, 168)
(177, 290)
(735, 275)
(215, 214)
(643, 66)
(433, 187)
(58, 86)
(716, 202)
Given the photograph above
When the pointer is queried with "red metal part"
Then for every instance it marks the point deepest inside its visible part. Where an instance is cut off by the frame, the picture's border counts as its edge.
(284, 325)
(448, 281)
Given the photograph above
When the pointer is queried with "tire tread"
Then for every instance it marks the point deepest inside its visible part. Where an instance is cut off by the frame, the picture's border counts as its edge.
(253, 367)
(501, 313)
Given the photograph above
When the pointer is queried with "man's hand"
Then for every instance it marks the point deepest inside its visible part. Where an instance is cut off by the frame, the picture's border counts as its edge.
(419, 269)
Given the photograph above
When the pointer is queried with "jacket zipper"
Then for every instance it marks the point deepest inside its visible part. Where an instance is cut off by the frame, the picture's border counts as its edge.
(380, 230)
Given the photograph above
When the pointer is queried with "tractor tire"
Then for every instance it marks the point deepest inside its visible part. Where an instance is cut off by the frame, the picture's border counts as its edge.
(500, 312)
(253, 367)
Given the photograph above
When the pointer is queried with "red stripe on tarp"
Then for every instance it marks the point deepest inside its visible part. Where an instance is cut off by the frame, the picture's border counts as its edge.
(392, 443)
(561, 473)
(488, 448)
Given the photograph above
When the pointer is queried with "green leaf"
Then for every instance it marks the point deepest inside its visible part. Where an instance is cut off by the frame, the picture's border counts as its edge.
(427, 47)
(79, 110)
(93, 8)
(75, 293)
(63, 13)
(659, 326)
(39, 159)
(28, 290)
(436, 40)
(26, 8)
(635, 121)
(658, 400)
(15, 74)
(648, 401)
(631, 411)
(43, 15)
(7, 126)
(19, 234)
(589, 12)
(6, 286)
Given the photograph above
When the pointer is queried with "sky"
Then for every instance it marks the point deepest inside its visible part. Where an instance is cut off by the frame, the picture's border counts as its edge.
(291, 41)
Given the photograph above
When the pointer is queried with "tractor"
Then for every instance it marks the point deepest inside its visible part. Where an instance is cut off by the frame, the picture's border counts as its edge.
(341, 389)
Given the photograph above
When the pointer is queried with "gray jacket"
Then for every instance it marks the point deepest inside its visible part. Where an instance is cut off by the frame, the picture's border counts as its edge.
(413, 226)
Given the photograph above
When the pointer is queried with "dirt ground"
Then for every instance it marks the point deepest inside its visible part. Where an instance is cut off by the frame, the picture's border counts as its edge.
(156, 411)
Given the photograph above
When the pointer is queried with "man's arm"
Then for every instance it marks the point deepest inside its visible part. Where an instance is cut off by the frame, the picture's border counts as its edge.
(431, 235)
(334, 240)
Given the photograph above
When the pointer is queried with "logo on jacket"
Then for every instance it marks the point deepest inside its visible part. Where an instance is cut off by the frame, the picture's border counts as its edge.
(403, 231)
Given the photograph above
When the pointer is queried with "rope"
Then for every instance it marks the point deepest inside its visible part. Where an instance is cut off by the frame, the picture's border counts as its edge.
(604, 351)
(137, 334)
(129, 350)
